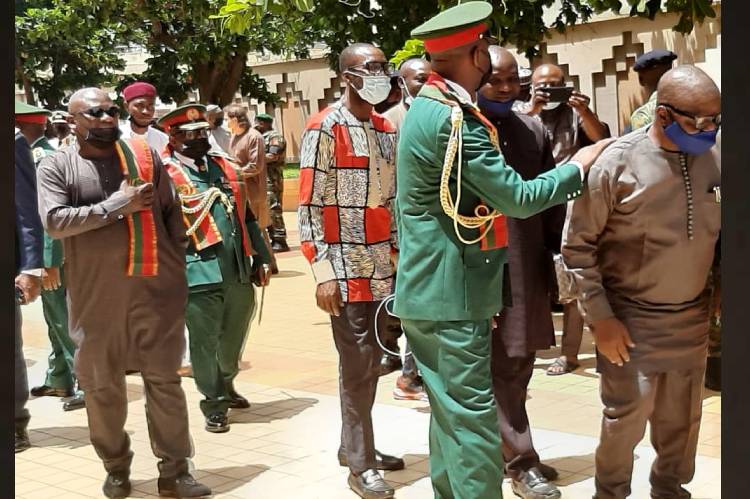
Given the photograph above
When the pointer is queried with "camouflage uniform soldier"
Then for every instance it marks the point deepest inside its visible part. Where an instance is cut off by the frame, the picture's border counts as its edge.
(275, 160)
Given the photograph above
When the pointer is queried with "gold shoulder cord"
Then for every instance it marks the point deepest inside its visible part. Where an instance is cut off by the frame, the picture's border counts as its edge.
(483, 215)
(204, 200)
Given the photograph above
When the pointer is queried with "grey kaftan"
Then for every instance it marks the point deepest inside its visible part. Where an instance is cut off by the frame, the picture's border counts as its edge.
(626, 242)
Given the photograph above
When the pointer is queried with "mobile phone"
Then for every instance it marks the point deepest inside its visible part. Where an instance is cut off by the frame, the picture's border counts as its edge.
(20, 298)
(558, 94)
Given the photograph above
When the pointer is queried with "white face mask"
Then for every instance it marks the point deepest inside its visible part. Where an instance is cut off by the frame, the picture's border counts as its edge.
(551, 105)
(408, 99)
(375, 89)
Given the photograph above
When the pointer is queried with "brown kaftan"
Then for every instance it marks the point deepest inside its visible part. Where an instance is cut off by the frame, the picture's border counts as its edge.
(118, 322)
(121, 323)
(249, 148)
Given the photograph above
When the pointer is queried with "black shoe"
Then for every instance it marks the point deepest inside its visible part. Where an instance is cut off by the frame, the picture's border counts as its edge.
(533, 485)
(279, 246)
(713, 374)
(390, 363)
(238, 401)
(77, 402)
(48, 391)
(117, 485)
(217, 423)
(22, 440)
(370, 485)
(548, 472)
(274, 268)
(382, 461)
(182, 486)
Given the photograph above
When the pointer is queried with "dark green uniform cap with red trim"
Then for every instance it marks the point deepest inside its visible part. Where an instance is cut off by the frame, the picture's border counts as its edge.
(187, 117)
(454, 27)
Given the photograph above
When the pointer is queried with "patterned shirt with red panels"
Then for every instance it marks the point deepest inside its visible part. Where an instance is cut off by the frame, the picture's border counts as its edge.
(347, 189)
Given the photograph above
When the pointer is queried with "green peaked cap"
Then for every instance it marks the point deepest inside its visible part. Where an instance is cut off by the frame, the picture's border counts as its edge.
(187, 117)
(23, 108)
(452, 20)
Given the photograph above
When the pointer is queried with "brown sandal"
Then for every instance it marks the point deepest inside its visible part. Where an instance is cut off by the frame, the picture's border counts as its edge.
(560, 366)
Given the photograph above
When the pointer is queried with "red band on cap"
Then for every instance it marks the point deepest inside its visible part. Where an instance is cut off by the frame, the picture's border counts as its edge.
(39, 119)
(459, 39)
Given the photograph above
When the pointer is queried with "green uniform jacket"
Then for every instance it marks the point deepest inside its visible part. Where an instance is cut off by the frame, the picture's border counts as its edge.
(439, 277)
(225, 261)
(53, 248)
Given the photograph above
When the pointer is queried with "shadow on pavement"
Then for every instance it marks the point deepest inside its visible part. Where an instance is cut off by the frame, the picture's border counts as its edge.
(238, 475)
(265, 412)
(417, 468)
(73, 437)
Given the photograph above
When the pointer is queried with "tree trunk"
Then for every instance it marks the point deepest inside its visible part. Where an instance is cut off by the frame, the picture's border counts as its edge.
(218, 82)
(26, 83)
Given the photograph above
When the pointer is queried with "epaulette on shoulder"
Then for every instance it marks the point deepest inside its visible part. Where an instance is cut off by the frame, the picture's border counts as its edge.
(38, 153)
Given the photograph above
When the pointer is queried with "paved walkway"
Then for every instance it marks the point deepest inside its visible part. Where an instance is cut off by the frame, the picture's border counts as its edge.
(284, 446)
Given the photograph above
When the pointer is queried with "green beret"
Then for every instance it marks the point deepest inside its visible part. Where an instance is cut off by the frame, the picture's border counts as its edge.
(264, 117)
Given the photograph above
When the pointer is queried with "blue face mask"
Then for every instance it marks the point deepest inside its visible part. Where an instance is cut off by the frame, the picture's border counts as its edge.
(493, 108)
(691, 143)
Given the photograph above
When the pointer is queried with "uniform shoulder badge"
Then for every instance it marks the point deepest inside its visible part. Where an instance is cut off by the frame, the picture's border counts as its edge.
(38, 153)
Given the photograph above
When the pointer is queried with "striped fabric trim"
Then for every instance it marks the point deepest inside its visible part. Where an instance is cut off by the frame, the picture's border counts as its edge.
(138, 167)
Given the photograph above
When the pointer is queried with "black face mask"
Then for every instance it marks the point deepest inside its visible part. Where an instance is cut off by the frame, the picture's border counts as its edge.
(218, 122)
(195, 148)
(102, 137)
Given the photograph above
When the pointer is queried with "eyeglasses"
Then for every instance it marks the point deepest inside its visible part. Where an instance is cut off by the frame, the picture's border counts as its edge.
(200, 133)
(701, 122)
(98, 112)
(374, 68)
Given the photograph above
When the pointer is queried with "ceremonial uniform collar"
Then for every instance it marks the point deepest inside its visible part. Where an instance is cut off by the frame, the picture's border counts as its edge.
(190, 162)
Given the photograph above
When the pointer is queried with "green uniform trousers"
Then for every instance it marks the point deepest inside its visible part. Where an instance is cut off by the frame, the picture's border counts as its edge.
(60, 373)
(218, 321)
(454, 360)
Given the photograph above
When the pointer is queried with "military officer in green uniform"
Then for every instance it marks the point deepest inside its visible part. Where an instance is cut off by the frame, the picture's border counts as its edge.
(226, 256)
(453, 189)
(60, 378)
(275, 161)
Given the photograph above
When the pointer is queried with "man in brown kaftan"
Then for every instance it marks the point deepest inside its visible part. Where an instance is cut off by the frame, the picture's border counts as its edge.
(640, 244)
(121, 322)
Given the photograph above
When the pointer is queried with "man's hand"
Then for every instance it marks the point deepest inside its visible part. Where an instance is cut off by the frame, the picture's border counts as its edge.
(328, 296)
(587, 155)
(612, 340)
(139, 198)
(579, 102)
(538, 99)
(51, 278)
(249, 171)
(30, 285)
(264, 275)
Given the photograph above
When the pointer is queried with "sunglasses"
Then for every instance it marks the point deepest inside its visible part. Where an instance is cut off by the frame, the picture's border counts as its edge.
(701, 122)
(98, 112)
(201, 133)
